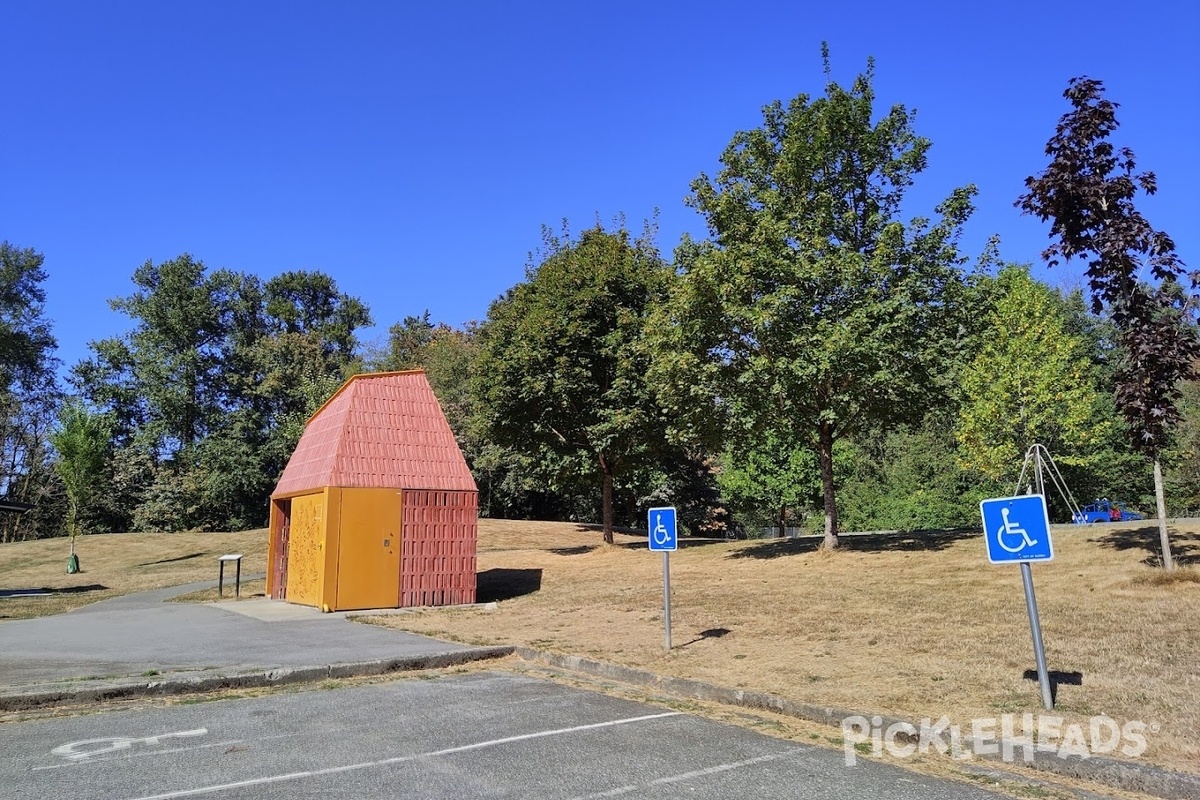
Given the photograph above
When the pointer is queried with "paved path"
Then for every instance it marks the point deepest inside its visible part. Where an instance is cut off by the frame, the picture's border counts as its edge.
(141, 634)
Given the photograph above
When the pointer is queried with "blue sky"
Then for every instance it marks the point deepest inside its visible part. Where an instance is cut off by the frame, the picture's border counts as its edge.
(414, 150)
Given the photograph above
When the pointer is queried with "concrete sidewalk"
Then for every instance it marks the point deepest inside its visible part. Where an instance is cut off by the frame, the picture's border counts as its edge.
(114, 647)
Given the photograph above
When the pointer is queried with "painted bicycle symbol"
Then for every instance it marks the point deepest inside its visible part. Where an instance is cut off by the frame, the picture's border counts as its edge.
(661, 535)
(1010, 529)
(87, 748)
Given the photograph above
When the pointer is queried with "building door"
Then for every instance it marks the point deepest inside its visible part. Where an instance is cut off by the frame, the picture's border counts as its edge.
(281, 533)
(306, 549)
(369, 549)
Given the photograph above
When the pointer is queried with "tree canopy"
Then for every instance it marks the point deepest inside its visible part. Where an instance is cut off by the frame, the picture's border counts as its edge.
(812, 305)
(561, 375)
(1088, 193)
(1030, 382)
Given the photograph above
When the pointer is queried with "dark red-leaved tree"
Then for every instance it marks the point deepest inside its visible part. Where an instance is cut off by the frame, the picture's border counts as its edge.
(1087, 194)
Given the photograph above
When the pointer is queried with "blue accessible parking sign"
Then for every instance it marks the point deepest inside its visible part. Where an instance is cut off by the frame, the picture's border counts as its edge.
(1017, 529)
(661, 523)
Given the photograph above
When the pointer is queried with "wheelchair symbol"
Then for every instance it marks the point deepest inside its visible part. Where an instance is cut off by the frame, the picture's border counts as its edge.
(1010, 529)
(661, 535)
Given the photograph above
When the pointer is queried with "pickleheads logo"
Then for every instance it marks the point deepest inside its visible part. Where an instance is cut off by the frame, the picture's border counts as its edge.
(991, 736)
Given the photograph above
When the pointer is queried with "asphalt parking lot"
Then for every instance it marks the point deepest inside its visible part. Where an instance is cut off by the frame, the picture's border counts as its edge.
(476, 735)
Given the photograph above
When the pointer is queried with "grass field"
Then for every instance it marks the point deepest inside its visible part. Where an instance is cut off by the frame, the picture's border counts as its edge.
(914, 626)
(116, 564)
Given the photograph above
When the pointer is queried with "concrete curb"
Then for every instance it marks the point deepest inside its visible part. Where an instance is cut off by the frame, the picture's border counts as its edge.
(30, 697)
(1098, 769)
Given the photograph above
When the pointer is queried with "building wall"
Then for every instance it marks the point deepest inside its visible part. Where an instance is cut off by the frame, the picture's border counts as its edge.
(439, 541)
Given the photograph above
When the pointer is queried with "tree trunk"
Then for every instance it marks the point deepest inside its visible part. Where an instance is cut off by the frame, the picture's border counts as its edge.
(608, 500)
(1160, 501)
(782, 522)
(826, 457)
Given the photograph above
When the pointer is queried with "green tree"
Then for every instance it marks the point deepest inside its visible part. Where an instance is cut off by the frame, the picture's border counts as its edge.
(81, 441)
(406, 344)
(1087, 193)
(1182, 482)
(813, 305)
(910, 479)
(29, 396)
(561, 371)
(1030, 382)
(769, 479)
(210, 390)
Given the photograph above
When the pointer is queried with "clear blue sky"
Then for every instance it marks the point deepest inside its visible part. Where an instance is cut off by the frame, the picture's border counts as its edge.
(413, 150)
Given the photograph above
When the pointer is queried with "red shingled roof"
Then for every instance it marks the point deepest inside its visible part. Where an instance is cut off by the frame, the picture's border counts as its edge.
(379, 430)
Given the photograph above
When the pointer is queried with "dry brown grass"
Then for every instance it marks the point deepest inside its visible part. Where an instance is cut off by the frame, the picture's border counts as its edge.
(912, 626)
(117, 564)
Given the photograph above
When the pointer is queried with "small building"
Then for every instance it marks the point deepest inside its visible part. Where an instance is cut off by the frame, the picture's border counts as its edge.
(376, 507)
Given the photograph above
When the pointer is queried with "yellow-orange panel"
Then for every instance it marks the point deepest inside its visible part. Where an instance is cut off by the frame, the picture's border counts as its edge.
(368, 567)
(306, 549)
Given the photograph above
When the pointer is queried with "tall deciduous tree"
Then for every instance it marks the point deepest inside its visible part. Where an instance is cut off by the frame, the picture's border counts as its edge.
(561, 375)
(210, 390)
(28, 394)
(813, 306)
(1030, 382)
(1087, 194)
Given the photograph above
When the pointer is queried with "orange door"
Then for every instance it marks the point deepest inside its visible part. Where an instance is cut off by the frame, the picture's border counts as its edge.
(306, 549)
(369, 549)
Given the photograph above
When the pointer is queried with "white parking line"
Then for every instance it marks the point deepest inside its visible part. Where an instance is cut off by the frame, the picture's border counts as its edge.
(686, 776)
(293, 776)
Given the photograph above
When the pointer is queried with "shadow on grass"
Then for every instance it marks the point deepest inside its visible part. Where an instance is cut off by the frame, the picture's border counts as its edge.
(45, 591)
(172, 560)
(1057, 678)
(598, 528)
(504, 584)
(1185, 546)
(711, 633)
(683, 542)
(899, 541)
(582, 549)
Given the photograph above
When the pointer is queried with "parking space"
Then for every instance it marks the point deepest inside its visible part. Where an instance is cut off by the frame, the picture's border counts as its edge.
(484, 735)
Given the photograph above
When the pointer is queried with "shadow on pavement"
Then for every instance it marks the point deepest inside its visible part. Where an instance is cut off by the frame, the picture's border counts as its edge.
(492, 585)
(863, 542)
(1185, 546)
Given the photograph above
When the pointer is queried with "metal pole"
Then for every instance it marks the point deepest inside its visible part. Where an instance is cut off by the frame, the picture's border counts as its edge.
(1035, 624)
(667, 596)
(1039, 652)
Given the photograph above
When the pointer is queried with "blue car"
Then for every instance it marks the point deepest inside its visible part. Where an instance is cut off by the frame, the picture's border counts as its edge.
(1104, 511)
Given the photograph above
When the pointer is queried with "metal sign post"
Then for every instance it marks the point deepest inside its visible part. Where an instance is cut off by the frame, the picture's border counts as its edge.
(1017, 530)
(660, 523)
(667, 599)
(1035, 625)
